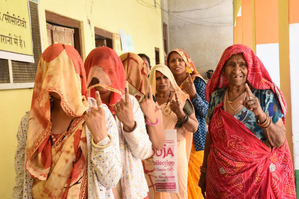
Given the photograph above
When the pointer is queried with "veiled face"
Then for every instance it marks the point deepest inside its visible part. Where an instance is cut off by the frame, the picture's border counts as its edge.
(162, 82)
(55, 95)
(100, 77)
(236, 70)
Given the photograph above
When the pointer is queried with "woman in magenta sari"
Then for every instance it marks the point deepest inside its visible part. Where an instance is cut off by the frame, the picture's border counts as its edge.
(246, 154)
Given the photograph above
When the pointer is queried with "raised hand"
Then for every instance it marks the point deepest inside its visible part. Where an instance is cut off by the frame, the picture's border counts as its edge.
(189, 87)
(176, 107)
(251, 102)
(124, 112)
(95, 120)
(147, 106)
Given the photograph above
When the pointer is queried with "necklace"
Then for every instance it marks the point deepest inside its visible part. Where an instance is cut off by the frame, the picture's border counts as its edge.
(166, 110)
(168, 98)
(231, 101)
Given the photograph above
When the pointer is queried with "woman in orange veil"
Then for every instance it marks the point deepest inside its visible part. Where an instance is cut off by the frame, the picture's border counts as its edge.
(65, 148)
(138, 85)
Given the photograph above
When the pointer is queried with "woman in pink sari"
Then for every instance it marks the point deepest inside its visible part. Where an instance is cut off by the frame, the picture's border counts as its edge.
(246, 154)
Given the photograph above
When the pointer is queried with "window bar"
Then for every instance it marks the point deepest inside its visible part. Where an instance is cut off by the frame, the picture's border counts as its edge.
(10, 71)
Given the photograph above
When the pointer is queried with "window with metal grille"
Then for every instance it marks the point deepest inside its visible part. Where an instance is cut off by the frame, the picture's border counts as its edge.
(16, 74)
(4, 74)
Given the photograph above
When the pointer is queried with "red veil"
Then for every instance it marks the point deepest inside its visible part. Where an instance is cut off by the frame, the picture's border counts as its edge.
(239, 164)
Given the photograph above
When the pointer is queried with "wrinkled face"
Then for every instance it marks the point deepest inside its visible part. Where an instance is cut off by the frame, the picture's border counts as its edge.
(147, 65)
(236, 70)
(176, 64)
(162, 82)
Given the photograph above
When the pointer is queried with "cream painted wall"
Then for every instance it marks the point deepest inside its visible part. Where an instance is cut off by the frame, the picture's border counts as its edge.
(13, 105)
(203, 31)
(142, 21)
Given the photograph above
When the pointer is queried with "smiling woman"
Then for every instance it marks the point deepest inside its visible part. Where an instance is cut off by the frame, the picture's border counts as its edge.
(176, 64)
(246, 136)
(236, 70)
(192, 83)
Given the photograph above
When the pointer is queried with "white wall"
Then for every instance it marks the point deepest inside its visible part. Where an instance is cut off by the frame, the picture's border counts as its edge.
(294, 70)
(203, 29)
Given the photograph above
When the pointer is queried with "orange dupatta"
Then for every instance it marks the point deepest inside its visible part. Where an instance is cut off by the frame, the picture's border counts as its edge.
(196, 157)
(103, 65)
(136, 75)
(59, 171)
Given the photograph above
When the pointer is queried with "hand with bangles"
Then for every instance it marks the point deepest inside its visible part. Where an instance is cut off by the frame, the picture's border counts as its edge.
(263, 120)
(246, 117)
(252, 103)
(95, 120)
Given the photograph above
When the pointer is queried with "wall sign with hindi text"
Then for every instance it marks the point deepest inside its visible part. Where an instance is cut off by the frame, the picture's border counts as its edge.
(15, 29)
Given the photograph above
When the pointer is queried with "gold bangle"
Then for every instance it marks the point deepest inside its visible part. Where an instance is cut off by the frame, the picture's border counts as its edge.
(265, 124)
(135, 126)
(102, 147)
(268, 124)
(262, 124)
(203, 169)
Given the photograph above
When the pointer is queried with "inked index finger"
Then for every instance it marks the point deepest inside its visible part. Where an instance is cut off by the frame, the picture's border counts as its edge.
(190, 78)
(127, 96)
(249, 93)
(98, 98)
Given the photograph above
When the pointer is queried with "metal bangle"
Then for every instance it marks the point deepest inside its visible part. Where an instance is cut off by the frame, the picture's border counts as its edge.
(102, 147)
(186, 121)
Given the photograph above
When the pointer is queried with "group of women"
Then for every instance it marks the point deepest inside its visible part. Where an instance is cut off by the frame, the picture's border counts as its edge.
(92, 127)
